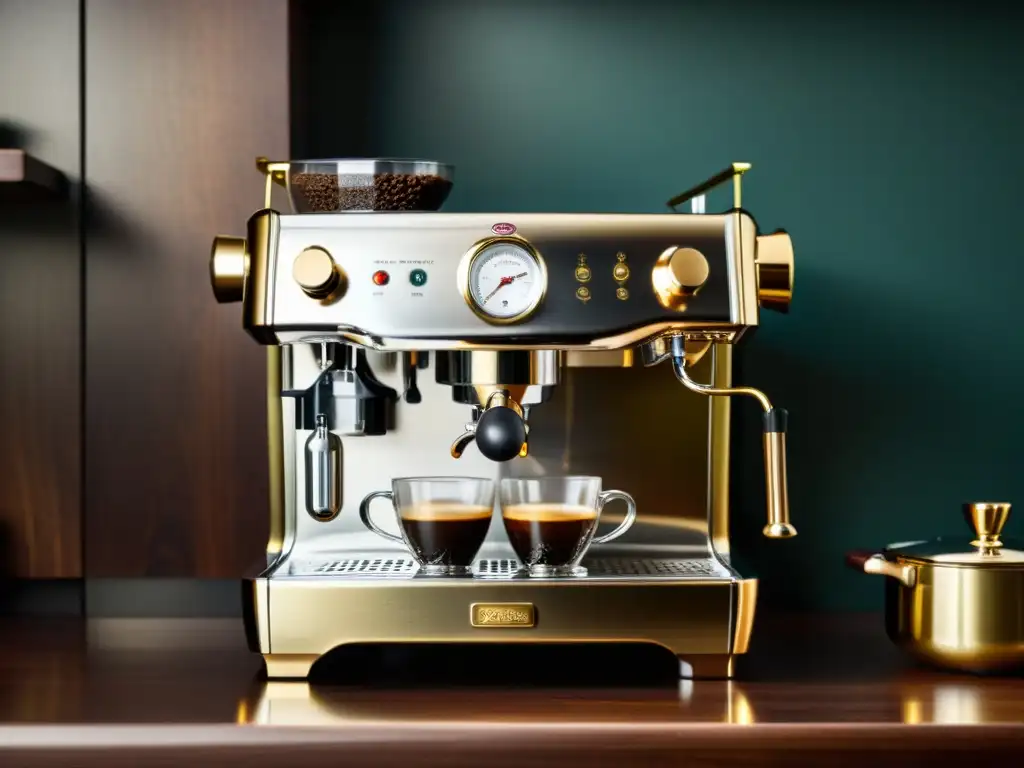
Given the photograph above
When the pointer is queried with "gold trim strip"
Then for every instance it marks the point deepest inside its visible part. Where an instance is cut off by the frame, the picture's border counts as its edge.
(734, 172)
(721, 332)
(275, 452)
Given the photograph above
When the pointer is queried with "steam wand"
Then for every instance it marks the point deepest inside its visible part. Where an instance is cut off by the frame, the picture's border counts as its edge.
(776, 484)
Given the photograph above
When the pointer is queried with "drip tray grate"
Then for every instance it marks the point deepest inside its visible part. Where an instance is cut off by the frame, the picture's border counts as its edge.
(636, 567)
(379, 567)
(599, 568)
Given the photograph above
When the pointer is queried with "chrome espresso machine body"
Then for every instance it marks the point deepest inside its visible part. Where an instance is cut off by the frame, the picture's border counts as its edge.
(386, 359)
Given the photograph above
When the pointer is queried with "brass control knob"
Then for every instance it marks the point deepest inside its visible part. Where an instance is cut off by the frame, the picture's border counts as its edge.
(775, 271)
(229, 264)
(316, 273)
(678, 274)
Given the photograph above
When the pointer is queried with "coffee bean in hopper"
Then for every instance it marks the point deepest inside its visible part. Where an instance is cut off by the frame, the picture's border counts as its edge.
(324, 192)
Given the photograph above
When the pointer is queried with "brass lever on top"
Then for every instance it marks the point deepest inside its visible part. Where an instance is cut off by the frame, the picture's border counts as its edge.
(776, 483)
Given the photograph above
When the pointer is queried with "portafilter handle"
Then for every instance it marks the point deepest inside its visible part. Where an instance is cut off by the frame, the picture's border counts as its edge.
(499, 431)
(775, 419)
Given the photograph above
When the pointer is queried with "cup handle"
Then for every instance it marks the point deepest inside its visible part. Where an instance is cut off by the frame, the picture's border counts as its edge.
(625, 525)
(364, 513)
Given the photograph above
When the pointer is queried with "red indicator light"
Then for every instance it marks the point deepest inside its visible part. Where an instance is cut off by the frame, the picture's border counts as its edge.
(380, 277)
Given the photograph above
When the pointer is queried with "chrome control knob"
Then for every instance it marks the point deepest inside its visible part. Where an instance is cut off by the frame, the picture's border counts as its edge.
(677, 276)
(229, 263)
(317, 274)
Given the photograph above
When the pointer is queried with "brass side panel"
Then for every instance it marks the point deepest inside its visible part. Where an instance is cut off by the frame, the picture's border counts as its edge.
(719, 439)
(746, 607)
(256, 613)
(275, 453)
(258, 302)
(687, 617)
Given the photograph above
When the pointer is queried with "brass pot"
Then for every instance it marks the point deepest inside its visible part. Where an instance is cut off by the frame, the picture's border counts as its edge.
(954, 604)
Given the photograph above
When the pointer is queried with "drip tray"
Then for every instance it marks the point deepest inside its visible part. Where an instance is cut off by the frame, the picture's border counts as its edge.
(598, 568)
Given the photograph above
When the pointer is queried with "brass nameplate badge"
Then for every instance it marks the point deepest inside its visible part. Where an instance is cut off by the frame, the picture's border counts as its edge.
(501, 615)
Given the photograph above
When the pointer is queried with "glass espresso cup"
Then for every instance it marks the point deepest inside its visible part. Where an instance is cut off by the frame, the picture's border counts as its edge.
(551, 521)
(443, 520)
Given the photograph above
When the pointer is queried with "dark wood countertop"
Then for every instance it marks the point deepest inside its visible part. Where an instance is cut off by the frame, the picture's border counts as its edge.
(160, 692)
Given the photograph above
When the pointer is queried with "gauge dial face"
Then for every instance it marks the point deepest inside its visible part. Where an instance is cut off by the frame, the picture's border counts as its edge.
(506, 281)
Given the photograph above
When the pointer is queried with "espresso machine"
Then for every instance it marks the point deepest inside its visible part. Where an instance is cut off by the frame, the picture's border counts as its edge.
(408, 342)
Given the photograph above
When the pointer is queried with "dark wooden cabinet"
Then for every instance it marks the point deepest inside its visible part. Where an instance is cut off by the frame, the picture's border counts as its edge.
(40, 297)
(180, 99)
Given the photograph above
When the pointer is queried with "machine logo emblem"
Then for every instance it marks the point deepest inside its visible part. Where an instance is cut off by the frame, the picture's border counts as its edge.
(501, 615)
(503, 228)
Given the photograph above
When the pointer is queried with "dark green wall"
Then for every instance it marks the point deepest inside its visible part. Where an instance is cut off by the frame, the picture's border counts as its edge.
(884, 137)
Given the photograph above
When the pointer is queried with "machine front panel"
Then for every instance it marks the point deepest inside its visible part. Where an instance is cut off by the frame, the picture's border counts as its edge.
(406, 276)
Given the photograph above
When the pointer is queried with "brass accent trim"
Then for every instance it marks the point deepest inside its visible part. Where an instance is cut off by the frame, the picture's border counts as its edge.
(698, 331)
(733, 172)
(275, 452)
(465, 269)
(719, 440)
(987, 519)
(583, 294)
(678, 274)
(289, 665)
(258, 309)
(746, 607)
(775, 271)
(261, 605)
(494, 615)
(229, 266)
(602, 359)
(275, 172)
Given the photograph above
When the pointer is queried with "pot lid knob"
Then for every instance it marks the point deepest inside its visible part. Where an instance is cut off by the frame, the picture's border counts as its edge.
(987, 519)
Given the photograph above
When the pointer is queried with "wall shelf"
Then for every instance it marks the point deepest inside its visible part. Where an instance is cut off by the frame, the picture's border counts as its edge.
(25, 178)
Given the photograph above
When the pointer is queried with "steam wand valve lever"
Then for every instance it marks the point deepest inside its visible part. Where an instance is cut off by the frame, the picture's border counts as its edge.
(776, 481)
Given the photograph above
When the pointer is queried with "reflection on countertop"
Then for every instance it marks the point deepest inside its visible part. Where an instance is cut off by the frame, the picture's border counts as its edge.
(808, 670)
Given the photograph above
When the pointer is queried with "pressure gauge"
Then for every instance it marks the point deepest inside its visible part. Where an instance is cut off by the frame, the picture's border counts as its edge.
(503, 280)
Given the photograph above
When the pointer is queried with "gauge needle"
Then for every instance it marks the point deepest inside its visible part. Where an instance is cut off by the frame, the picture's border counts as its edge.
(501, 283)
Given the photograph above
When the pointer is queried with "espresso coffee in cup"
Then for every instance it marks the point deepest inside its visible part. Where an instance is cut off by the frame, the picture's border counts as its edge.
(442, 521)
(445, 533)
(552, 521)
(548, 534)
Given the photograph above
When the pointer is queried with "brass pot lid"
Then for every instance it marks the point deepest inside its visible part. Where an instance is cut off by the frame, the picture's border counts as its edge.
(986, 550)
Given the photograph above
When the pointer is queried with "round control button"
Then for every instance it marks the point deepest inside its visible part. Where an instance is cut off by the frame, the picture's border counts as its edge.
(678, 275)
(418, 277)
(316, 273)
(380, 277)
